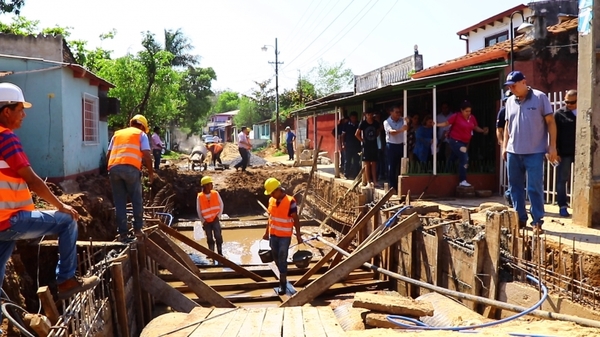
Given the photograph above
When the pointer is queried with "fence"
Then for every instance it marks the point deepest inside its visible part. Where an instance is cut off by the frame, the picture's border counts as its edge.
(557, 102)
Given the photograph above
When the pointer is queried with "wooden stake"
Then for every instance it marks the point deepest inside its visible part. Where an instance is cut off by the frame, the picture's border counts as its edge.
(121, 304)
(492, 235)
(137, 289)
(48, 304)
(310, 176)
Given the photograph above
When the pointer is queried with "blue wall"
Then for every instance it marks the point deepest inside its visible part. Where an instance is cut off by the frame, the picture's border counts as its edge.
(51, 132)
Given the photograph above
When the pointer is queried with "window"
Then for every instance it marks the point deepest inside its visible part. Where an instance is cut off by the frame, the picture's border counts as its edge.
(492, 40)
(90, 119)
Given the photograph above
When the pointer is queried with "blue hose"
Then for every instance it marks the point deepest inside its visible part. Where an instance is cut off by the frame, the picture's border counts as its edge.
(422, 326)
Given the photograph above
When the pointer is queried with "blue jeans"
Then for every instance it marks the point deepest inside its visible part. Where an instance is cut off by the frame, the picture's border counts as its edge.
(563, 175)
(32, 225)
(460, 152)
(245, 154)
(532, 165)
(290, 150)
(279, 248)
(394, 153)
(157, 154)
(126, 181)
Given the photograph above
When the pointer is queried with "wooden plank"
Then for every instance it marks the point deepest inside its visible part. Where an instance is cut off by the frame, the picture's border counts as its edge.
(312, 322)
(395, 305)
(440, 256)
(310, 177)
(253, 323)
(478, 277)
(377, 320)
(161, 239)
(165, 293)
(194, 282)
(354, 261)
(119, 292)
(293, 325)
(492, 238)
(222, 260)
(144, 261)
(272, 323)
(48, 304)
(237, 319)
(137, 289)
(215, 323)
(346, 240)
(330, 323)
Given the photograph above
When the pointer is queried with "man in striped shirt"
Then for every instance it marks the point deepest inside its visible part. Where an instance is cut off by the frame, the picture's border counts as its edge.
(18, 219)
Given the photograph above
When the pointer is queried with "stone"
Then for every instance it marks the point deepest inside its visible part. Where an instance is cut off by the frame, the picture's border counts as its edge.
(395, 305)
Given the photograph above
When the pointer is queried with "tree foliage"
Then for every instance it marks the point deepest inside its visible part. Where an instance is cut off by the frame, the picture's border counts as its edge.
(225, 101)
(178, 44)
(196, 87)
(264, 97)
(329, 79)
(249, 112)
(11, 6)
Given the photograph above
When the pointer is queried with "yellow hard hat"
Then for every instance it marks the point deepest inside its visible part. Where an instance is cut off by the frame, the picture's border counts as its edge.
(271, 185)
(206, 180)
(142, 120)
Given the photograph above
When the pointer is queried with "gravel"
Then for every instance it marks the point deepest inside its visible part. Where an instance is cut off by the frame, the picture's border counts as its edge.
(254, 161)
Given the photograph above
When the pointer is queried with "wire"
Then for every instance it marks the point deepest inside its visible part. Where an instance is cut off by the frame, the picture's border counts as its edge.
(346, 31)
(314, 24)
(318, 36)
(293, 31)
(422, 326)
(371, 32)
(16, 322)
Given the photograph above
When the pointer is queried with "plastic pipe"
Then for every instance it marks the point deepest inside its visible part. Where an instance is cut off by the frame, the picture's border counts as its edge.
(469, 297)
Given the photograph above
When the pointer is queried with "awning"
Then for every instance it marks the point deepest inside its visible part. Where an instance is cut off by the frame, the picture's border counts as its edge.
(413, 84)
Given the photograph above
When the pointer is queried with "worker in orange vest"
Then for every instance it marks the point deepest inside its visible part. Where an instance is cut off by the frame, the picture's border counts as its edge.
(128, 149)
(283, 218)
(215, 150)
(18, 218)
(209, 206)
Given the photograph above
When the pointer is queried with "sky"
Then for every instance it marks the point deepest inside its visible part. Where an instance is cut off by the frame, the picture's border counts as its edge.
(228, 34)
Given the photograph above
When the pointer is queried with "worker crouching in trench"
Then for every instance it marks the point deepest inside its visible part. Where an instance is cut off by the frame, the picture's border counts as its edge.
(283, 218)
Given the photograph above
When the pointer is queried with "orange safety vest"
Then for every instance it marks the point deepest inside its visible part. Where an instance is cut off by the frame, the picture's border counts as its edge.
(209, 208)
(126, 148)
(14, 192)
(281, 223)
(215, 148)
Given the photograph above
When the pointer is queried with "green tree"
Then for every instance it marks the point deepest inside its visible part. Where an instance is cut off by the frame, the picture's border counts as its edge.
(264, 97)
(11, 6)
(249, 112)
(225, 101)
(20, 26)
(291, 100)
(329, 79)
(178, 44)
(196, 87)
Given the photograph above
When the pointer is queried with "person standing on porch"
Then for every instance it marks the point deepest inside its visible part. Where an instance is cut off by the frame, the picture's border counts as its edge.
(367, 133)
(500, 123)
(462, 124)
(529, 123)
(565, 146)
(444, 151)
(283, 219)
(290, 139)
(394, 128)
(209, 207)
(351, 145)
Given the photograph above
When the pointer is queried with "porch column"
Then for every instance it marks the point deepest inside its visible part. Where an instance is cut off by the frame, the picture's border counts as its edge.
(585, 196)
(297, 141)
(434, 148)
(315, 131)
(336, 153)
(404, 161)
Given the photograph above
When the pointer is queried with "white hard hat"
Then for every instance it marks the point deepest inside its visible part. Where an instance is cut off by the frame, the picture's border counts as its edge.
(11, 94)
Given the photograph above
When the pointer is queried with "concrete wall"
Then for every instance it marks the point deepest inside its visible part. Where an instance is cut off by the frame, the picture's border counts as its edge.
(41, 131)
(48, 47)
(79, 157)
(477, 39)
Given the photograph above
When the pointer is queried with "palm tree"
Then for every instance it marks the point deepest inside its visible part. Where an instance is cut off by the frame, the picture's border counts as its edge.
(178, 44)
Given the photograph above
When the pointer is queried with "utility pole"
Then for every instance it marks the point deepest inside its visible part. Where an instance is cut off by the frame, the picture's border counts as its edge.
(277, 63)
(585, 197)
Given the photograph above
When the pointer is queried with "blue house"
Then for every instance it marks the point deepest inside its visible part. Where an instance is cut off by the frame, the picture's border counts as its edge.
(65, 133)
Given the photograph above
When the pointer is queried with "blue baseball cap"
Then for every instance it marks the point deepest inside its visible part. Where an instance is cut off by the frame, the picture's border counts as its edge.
(514, 77)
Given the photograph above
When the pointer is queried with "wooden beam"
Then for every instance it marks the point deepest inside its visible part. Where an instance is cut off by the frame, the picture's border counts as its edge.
(395, 305)
(192, 280)
(354, 261)
(222, 260)
(292, 322)
(330, 323)
(346, 240)
(440, 256)
(492, 238)
(119, 292)
(479, 260)
(48, 304)
(162, 291)
(161, 239)
(137, 288)
(310, 176)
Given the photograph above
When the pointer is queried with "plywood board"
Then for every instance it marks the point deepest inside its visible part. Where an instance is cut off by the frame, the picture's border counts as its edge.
(312, 322)
(215, 323)
(293, 325)
(253, 323)
(272, 323)
(330, 323)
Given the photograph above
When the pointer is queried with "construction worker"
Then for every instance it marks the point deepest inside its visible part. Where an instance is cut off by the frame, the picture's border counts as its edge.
(209, 206)
(283, 217)
(18, 219)
(128, 149)
(215, 150)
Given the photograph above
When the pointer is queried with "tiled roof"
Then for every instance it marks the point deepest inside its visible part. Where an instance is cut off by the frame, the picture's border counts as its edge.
(496, 52)
(490, 21)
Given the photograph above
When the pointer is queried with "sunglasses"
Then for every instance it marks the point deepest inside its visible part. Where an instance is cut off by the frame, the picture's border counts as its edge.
(570, 102)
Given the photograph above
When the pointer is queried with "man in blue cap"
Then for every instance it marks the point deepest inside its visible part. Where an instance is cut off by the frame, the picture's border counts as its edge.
(529, 125)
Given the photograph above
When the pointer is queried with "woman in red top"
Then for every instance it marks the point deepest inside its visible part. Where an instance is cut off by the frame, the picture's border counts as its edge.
(462, 126)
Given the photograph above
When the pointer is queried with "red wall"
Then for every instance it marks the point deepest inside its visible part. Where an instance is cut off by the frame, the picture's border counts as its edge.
(445, 185)
(325, 124)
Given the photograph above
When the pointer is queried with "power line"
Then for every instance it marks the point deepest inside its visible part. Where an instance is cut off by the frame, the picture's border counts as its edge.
(315, 25)
(346, 31)
(293, 31)
(371, 32)
(318, 36)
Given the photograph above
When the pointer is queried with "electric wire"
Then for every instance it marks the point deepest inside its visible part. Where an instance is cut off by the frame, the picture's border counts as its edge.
(318, 36)
(344, 30)
(14, 320)
(374, 28)
(293, 32)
